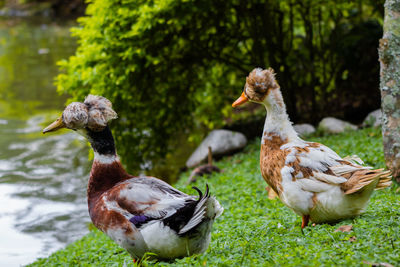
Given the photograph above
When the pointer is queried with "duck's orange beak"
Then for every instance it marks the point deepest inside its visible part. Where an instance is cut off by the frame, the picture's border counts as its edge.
(241, 100)
(58, 124)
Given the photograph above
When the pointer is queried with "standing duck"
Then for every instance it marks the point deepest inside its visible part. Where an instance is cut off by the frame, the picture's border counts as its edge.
(141, 214)
(308, 177)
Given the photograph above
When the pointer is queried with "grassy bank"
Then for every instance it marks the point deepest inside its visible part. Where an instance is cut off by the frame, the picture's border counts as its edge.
(255, 231)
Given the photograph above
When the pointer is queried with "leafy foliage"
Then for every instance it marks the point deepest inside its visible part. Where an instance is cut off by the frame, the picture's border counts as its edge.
(168, 65)
(255, 231)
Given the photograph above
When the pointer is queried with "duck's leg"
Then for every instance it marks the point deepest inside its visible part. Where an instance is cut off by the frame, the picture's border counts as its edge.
(304, 221)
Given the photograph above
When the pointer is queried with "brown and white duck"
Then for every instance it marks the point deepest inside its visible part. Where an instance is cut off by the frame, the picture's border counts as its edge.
(308, 177)
(141, 214)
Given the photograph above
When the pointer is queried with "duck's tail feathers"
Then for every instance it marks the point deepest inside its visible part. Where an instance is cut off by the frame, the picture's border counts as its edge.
(385, 180)
(199, 211)
(364, 177)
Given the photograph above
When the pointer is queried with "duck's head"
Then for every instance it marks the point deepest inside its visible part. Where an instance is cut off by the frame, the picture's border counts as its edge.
(93, 114)
(258, 85)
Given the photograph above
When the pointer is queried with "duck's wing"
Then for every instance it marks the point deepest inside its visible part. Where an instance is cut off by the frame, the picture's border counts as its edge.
(147, 199)
(317, 168)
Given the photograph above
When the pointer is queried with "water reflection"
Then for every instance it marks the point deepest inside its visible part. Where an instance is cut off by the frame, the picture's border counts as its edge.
(27, 74)
(42, 180)
(43, 188)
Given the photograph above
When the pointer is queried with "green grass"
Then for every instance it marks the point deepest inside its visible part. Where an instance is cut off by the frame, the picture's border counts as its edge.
(256, 231)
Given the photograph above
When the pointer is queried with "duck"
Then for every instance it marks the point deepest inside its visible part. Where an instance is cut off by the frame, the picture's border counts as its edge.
(142, 214)
(308, 177)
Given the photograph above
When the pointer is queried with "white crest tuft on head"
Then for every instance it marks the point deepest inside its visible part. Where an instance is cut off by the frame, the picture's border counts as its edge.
(100, 112)
(75, 115)
(97, 101)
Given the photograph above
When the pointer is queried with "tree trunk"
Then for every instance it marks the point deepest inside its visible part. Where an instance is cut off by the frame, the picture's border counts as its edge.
(389, 57)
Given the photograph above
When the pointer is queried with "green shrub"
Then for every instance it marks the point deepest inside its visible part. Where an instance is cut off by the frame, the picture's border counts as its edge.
(169, 65)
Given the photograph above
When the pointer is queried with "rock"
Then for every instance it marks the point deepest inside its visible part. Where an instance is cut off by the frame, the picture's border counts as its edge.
(333, 125)
(304, 129)
(43, 51)
(222, 142)
(373, 119)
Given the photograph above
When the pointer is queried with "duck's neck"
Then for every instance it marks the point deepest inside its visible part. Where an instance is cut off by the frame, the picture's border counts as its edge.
(277, 123)
(106, 168)
(102, 142)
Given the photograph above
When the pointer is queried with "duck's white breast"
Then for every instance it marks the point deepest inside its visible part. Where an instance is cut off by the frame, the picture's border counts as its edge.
(293, 195)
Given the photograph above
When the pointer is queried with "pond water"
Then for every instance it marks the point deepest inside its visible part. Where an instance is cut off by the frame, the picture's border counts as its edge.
(42, 178)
